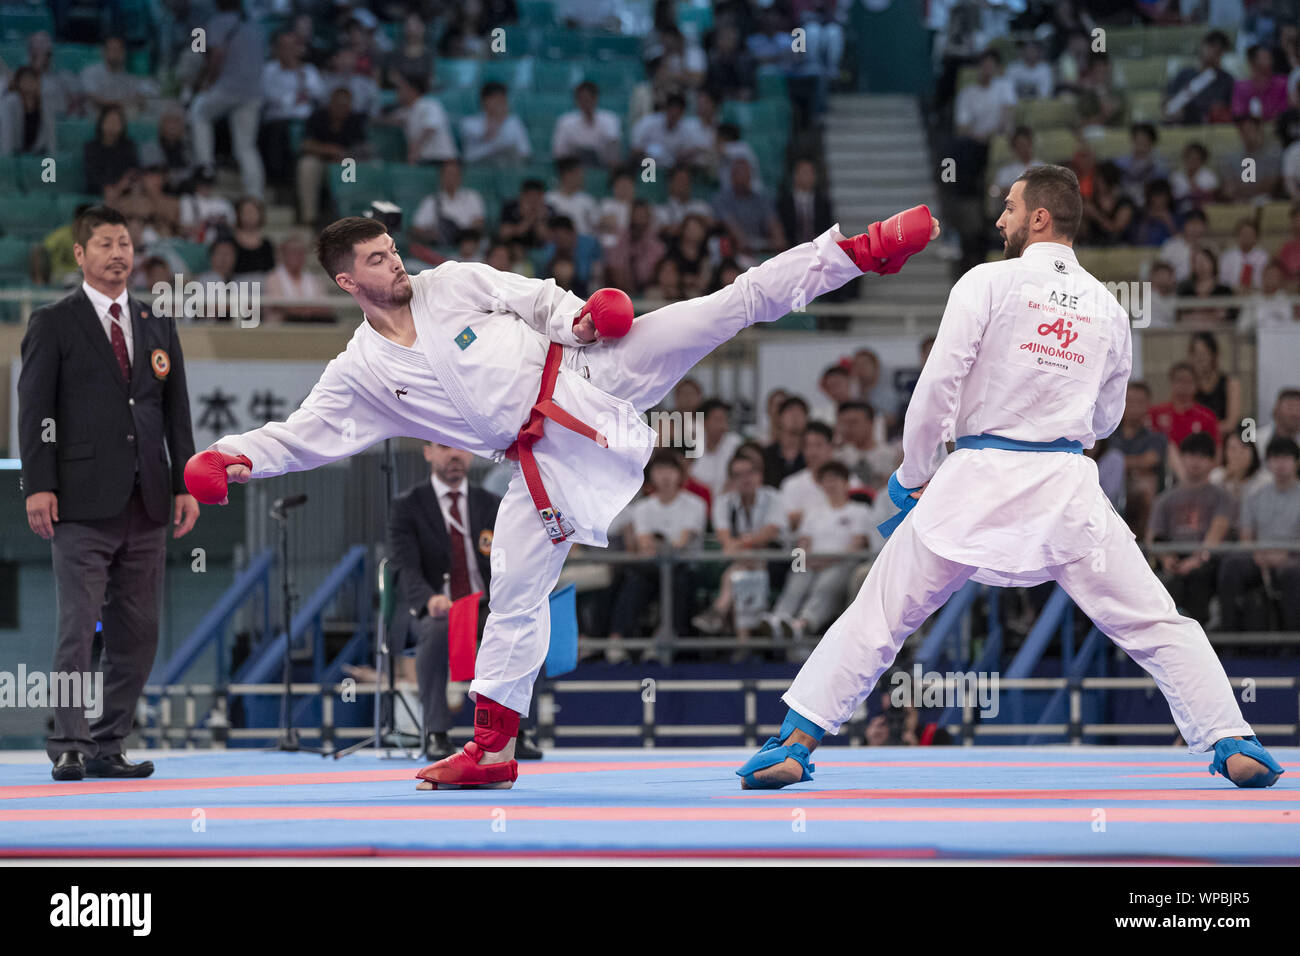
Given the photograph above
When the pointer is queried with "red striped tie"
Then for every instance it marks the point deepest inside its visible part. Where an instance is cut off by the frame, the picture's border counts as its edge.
(119, 343)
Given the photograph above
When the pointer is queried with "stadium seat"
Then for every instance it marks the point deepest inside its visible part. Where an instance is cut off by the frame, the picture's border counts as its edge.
(30, 216)
(1222, 218)
(563, 45)
(536, 13)
(555, 76)
(516, 74)
(74, 132)
(405, 181)
(389, 142)
(14, 259)
(1148, 72)
(19, 20)
(74, 57)
(457, 74)
(615, 47)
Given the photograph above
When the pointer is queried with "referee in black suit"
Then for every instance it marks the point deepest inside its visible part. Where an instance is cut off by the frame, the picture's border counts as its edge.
(440, 542)
(104, 434)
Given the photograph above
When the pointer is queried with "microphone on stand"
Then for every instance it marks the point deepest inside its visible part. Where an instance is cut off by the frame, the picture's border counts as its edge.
(281, 505)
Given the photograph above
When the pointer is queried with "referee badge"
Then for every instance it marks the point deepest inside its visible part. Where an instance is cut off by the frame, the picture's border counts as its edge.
(161, 364)
(485, 541)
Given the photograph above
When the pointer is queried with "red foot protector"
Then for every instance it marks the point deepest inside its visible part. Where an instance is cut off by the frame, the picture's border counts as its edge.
(205, 475)
(494, 725)
(885, 246)
(465, 770)
(611, 311)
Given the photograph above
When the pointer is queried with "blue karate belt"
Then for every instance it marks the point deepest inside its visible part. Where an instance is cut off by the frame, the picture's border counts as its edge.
(902, 497)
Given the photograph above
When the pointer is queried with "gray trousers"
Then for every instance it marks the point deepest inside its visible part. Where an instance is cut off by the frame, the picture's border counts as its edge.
(816, 596)
(431, 673)
(106, 570)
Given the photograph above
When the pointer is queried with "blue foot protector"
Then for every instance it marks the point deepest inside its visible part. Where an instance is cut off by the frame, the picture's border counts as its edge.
(1250, 747)
(774, 753)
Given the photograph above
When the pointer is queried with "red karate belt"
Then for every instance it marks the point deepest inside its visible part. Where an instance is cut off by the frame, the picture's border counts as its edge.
(521, 450)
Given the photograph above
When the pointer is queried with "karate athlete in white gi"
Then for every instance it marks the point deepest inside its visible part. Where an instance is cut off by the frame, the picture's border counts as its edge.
(506, 366)
(1030, 366)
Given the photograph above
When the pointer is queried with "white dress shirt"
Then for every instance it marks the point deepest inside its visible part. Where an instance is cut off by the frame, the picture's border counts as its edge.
(442, 489)
(102, 303)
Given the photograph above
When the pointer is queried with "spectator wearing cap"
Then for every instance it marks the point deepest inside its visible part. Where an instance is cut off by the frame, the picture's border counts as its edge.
(592, 136)
(1271, 513)
(494, 134)
(1195, 513)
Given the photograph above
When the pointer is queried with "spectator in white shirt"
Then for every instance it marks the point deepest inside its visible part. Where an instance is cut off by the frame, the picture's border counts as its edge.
(680, 203)
(837, 385)
(670, 137)
(667, 519)
(494, 134)
(1194, 182)
(815, 593)
(342, 71)
(616, 208)
(746, 518)
(1177, 250)
(709, 466)
(592, 136)
(802, 492)
(1022, 149)
(870, 463)
(428, 130)
(571, 199)
(453, 209)
(291, 279)
(107, 83)
(1031, 75)
(1241, 267)
(290, 91)
(983, 108)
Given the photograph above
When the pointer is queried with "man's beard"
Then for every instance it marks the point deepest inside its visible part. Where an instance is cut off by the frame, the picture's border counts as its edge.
(1016, 243)
(395, 293)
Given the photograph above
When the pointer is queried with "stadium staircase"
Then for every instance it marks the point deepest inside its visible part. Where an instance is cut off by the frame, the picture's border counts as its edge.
(879, 163)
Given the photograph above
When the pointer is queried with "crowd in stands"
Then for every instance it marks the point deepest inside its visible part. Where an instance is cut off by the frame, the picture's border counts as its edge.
(648, 188)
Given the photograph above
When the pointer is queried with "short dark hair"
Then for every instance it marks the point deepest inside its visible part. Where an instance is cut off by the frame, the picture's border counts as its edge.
(1141, 386)
(1280, 447)
(666, 457)
(491, 88)
(712, 405)
(1197, 214)
(833, 468)
(567, 164)
(791, 402)
(1182, 367)
(836, 369)
(820, 428)
(1198, 443)
(1056, 189)
(856, 406)
(532, 186)
(338, 239)
(675, 99)
(91, 219)
(1146, 128)
(418, 81)
(588, 86)
(1218, 38)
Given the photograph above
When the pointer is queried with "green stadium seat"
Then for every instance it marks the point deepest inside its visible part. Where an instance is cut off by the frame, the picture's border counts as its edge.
(459, 103)
(694, 20)
(516, 74)
(193, 254)
(457, 74)
(389, 142)
(10, 180)
(1146, 73)
(1144, 106)
(142, 131)
(615, 80)
(563, 45)
(30, 216)
(772, 84)
(75, 57)
(405, 180)
(371, 183)
(615, 47)
(1276, 218)
(520, 41)
(1221, 218)
(555, 76)
(74, 132)
(536, 13)
(1041, 115)
(14, 260)
(67, 203)
(18, 21)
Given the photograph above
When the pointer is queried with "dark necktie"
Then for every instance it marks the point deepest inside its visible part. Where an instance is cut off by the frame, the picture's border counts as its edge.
(459, 564)
(119, 342)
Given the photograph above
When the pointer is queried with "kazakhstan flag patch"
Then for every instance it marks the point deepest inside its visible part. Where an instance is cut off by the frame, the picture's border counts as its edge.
(466, 338)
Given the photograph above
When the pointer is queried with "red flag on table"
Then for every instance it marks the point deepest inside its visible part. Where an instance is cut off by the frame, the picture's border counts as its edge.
(462, 636)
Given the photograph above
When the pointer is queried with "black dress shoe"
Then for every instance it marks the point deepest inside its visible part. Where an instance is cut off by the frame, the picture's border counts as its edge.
(438, 747)
(524, 749)
(117, 766)
(71, 765)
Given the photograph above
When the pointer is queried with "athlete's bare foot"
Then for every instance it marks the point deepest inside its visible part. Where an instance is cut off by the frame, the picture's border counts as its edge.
(788, 771)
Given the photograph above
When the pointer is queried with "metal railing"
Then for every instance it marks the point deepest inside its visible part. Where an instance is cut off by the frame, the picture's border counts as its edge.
(178, 722)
